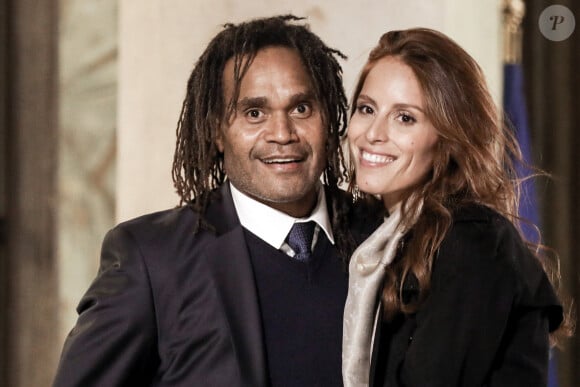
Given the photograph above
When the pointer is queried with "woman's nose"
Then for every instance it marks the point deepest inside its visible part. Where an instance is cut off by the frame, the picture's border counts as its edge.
(377, 131)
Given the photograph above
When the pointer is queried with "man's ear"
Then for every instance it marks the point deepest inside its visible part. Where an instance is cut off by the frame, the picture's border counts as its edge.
(219, 139)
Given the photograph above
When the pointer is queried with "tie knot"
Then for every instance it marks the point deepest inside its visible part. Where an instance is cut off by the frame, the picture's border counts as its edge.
(300, 239)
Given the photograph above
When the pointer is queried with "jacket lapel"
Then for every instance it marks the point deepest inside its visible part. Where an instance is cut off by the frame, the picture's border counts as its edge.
(232, 268)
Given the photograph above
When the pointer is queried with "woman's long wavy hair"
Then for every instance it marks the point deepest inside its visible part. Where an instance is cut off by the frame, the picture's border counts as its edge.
(474, 159)
(198, 165)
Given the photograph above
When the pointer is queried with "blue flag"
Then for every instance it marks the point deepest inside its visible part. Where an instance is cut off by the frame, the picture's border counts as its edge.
(515, 109)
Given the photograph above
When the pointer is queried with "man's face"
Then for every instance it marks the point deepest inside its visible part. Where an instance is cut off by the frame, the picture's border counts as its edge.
(274, 142)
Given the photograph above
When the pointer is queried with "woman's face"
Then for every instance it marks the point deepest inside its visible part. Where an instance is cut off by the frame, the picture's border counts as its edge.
(392, 141)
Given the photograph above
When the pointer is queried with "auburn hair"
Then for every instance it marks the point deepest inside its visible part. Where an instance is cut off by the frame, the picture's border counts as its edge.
(474, 161)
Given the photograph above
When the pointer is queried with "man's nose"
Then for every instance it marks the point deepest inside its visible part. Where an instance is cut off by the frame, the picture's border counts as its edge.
(281, 129)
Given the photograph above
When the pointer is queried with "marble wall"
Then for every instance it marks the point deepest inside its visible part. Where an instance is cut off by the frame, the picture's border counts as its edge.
(88, 60)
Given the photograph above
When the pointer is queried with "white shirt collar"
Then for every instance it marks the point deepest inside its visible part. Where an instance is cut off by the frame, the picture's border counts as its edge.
(258, 218)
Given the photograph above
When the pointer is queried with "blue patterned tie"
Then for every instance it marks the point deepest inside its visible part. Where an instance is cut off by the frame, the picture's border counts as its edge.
(300, 239)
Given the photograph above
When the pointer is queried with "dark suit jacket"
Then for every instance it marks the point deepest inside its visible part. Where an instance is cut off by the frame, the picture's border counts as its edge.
(485, 321)
(170, 308)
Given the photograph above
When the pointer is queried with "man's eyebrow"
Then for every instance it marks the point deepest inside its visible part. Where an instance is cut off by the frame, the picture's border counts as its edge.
(259, 102)
(302, 97)
(251, 102)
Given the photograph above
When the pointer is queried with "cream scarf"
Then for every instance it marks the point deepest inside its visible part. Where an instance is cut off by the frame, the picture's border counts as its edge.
(366, 273)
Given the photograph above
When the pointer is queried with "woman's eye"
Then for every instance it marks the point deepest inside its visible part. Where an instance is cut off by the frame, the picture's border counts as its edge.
(407, 118)
(365, 109)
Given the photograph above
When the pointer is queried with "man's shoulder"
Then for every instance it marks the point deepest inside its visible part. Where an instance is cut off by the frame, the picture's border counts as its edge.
(168, 218)
(159, 227)
(184, 215)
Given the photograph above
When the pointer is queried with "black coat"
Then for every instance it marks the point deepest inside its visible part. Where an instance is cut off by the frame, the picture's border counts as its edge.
(486, 318)
(170, 308)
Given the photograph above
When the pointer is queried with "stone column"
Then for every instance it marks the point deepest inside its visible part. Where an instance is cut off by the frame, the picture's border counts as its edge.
(30, 99)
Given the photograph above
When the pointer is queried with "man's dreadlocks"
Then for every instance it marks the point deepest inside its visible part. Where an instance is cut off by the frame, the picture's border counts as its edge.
(198, 165)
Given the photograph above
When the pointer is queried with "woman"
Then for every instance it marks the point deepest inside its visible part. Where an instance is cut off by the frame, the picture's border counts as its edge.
(445, 292)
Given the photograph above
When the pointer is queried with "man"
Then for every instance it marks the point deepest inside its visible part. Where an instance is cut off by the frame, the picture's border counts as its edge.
(214, 293)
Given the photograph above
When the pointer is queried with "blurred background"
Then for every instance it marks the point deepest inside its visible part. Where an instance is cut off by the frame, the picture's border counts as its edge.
(90, 96)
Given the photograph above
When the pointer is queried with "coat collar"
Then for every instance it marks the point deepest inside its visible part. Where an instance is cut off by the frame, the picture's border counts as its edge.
(221, 213)
(232, 268)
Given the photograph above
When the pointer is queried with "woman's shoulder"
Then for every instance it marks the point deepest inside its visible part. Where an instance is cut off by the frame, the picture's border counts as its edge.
(474, 212)
(482, 242)
(479, 228)
(482, 226)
